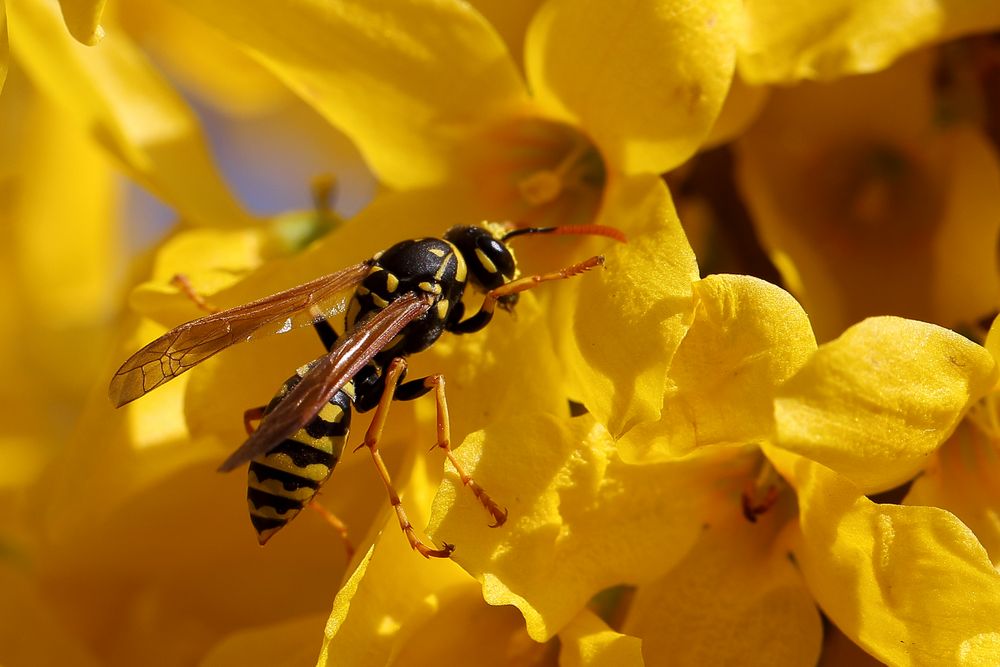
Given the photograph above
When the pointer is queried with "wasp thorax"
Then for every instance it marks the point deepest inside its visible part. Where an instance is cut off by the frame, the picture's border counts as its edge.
(491, 263)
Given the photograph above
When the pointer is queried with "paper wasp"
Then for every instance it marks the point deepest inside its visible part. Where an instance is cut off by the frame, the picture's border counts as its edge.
(403, 299)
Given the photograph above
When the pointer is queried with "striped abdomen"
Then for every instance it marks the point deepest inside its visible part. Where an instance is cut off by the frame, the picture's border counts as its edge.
(283, 481)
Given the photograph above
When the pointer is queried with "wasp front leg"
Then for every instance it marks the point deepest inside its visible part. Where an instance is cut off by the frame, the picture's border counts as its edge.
(392, 377)
(485, 314)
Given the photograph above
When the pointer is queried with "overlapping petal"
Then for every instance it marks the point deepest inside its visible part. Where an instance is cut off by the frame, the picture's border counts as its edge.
(746, 339)
(4, 45)
(786, 41)
(646, 79)
(403, 82)
(629, 319)
(851, 198)
(580, 519)
(510, 18)
(83, 18)
(115, 93)
(588, 642)
(963, 477)
(874, 403)
(911, 585)
(392, 592)
(736, 598)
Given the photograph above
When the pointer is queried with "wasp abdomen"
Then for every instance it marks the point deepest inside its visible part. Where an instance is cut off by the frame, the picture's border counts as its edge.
(285, 479)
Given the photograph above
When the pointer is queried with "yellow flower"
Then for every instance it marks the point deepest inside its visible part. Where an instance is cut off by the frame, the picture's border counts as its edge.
(912, 584)
(113, 93)
(869, 206)
(787, 41)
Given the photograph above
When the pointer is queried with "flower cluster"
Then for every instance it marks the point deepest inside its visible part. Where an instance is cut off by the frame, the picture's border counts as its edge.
(766, 432)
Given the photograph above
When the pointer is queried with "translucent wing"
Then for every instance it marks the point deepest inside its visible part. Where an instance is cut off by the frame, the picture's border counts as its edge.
(191, 343)
(330, 373)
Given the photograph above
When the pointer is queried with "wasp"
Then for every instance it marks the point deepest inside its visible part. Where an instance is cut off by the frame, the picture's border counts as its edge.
(400, 302)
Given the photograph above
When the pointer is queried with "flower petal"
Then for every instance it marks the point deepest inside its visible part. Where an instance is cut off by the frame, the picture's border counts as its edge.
(114, 93)
(629, 318)
(738, 575)
(964, 478)
(874, 403)
(785, 41)
(747, 338)
(511, 21)
(4, 45)
(392, 590)
(869, 206)
(402, 82)
(911, 585)
(83, 18)
(285, 644)
(462, 624)
(588, 642)
(31, 632)
(580, 519)
(645, 79)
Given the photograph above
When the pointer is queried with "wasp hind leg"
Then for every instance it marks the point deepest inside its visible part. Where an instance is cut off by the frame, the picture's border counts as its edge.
(417, 388)
(393, 374)
(183, 283)
(255, 415)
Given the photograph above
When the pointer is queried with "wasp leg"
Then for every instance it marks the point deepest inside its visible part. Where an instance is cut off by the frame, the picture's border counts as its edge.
(183, 283)
(485, 314)
(395, 370)
(336, 523)
(436, 382)
(250, 416)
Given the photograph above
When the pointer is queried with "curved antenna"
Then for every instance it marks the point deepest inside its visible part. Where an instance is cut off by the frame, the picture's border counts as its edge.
(589, 230)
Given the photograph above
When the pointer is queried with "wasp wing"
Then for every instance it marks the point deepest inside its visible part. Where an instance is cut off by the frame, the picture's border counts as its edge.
(330, 373)
(189, 344)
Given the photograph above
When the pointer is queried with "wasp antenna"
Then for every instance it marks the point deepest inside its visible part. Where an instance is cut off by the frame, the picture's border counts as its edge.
(587, 230)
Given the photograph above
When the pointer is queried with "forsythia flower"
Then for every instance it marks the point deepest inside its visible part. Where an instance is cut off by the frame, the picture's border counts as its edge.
(690, 478)
(869, 205)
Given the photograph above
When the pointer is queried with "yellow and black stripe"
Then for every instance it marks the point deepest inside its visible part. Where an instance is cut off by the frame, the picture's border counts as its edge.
(285, 479)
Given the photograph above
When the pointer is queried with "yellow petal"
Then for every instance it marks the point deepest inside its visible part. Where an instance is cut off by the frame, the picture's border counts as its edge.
(963, 477)
(401, 83)
(203, 61)
(579, 519)
(993, 339)
(740, 109)
(31, 632)
(511, 21)
(464, 625)
(785, 41)
(747, 338)
(289, 643)
(629, 318)
(910, 585)
(840, 651)
(392, 590)
(852, 185)
(874, 403)
(644, 79)
(83, 18)
(4, 45)
(737, 576)
(588, 642)
(116, 94)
